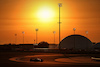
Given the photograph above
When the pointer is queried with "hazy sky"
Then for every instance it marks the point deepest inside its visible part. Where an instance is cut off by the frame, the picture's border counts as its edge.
(27, 15)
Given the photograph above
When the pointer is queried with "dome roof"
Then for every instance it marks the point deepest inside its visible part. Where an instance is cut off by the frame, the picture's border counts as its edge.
(43, 45)
(76, 41)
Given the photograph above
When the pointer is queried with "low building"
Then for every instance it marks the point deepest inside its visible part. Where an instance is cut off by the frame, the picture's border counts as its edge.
(53, 45)
(96, 47)
(26, 46)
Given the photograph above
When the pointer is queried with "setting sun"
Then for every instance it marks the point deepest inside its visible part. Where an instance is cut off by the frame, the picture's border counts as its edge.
(45, 14)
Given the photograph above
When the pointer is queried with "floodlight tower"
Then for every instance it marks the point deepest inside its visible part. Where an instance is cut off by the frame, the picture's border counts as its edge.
(74, 30)
(86, 33)
(54, 36)
(74, 37)
(23, 36)
(34, 41)
(60, 5)
(36, 35)
(15, 38)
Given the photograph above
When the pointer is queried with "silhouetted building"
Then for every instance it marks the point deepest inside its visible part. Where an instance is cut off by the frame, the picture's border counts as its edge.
(5, 47)
(76, 42)
(43, 45)
(53, 45)
(26, 46)
(96, 46)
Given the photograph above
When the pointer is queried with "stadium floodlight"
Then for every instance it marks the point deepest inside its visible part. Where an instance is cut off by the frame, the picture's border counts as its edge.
(74, 29)
(23, 36)
(54, 36)
(60, 5)
(15, 38)
(36, 35)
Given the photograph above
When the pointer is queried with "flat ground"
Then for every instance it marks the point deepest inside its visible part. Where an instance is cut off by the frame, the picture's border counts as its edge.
(50, 60)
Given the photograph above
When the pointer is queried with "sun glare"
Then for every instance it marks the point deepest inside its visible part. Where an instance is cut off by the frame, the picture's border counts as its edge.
(45, 14)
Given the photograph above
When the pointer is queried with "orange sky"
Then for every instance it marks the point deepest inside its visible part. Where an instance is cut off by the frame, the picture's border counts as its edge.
(22, 15)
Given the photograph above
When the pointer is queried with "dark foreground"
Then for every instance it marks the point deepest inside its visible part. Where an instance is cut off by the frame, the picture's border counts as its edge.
(5, 62)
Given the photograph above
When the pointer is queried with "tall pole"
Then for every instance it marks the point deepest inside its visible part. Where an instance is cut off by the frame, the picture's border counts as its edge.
(34, 41)
(60, 5)
(74, 37)
(59, 27)
(74, 30)
(23, 36)
(36, 35)
(87, 33)
(15, 38)
(54, 36)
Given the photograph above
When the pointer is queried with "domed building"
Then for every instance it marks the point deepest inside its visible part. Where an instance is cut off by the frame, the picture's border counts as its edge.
(43, 45)
(75, 42)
